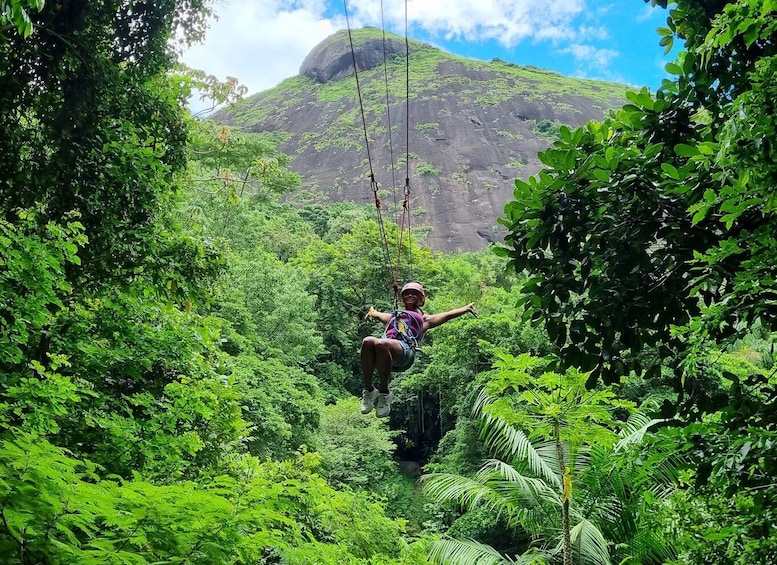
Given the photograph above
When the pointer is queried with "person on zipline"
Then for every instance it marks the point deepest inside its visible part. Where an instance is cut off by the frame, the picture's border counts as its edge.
(395, 350)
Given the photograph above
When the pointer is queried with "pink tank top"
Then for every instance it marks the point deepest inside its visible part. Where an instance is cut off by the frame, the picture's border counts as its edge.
(407, 322)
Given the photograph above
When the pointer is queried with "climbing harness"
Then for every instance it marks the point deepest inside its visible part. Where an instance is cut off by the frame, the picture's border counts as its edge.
(402, 323)
(408, 330)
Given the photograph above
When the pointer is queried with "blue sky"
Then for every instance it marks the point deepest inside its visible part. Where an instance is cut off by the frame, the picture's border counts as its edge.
(262, 42)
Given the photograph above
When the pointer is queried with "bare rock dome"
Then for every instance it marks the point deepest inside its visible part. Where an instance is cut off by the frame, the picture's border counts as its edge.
(332, 59)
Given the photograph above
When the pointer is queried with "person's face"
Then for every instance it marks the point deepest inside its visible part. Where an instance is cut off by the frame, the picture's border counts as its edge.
(411, 298)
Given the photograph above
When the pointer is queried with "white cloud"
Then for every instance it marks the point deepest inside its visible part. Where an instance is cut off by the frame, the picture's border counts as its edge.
(599, 33)
(595, 59)
(648, 12)
(261, 42)
(507, 21)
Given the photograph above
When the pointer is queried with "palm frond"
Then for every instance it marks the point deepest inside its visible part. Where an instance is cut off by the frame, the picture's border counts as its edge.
(635, 429)
(496, 485)
(580, 457)
(506, 441)
(483, 399)
(649, 547)
(588, 544)
(603, 488)
(607, 511)
(462, 490)
(505, 480)
(470, 552)
(465, 552)
(663, 470)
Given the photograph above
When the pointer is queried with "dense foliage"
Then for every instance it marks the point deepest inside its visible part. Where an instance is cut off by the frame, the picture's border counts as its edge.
(650, 242)
(179, 343)
(662, 216)
(156, 384)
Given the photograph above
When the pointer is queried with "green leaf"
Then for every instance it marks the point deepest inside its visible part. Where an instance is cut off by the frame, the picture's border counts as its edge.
(667, 42)
(673, 69)
(670, 170)
(685, 150)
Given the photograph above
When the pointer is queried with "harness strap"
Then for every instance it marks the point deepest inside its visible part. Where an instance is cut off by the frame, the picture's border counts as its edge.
(408, 338)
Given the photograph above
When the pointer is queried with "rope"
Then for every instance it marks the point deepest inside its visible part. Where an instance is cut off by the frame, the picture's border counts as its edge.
(406, 204)
(405, 220)
(406, 191)
(407, 104)
(373, 182)
(358, 89)
(388, 110)
(384, 240)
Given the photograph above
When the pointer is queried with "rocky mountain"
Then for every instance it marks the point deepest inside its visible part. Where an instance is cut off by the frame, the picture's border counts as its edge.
(460, 130)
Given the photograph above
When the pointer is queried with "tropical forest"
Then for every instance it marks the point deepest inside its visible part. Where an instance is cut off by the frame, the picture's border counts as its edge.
(180, 330)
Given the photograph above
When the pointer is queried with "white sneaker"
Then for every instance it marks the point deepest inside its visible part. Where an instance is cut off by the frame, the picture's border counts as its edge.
(384, 404)
(368, 400)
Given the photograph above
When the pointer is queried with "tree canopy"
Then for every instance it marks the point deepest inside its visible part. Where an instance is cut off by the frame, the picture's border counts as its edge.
(655, 228)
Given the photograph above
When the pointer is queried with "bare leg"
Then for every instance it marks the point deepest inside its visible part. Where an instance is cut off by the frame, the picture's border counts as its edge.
(368, 361)
(380, 354)
(384, 362)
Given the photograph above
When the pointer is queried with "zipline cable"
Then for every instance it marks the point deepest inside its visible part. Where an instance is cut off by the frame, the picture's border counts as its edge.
(394, 273)
(405, 221)
(358, 89)
(388, 115)
(406, 204)
(406, 190)
(373, 182)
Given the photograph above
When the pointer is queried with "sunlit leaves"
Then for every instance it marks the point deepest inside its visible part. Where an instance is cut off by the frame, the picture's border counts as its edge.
(56, 507)
(280, 403)
(33, 260)
(342, 434)
(208, 87)
(238, 165)
(17, 14)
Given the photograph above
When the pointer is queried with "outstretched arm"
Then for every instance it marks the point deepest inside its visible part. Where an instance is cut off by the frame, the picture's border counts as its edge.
(382, 316)
(434, 320)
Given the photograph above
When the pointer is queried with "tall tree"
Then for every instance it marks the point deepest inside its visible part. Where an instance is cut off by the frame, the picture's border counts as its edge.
(90, 123)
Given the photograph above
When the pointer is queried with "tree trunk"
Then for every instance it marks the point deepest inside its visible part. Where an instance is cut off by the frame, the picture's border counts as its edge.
(565, 498)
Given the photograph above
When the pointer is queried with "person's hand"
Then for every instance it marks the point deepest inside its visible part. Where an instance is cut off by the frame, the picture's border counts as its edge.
(371, 312)
(471, 309)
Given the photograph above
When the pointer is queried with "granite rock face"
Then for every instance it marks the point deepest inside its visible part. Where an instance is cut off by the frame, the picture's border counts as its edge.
(332, 59)
(465, 133)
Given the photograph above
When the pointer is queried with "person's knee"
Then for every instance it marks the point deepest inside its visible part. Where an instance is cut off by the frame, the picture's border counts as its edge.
(383, 345)
(369, 342)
